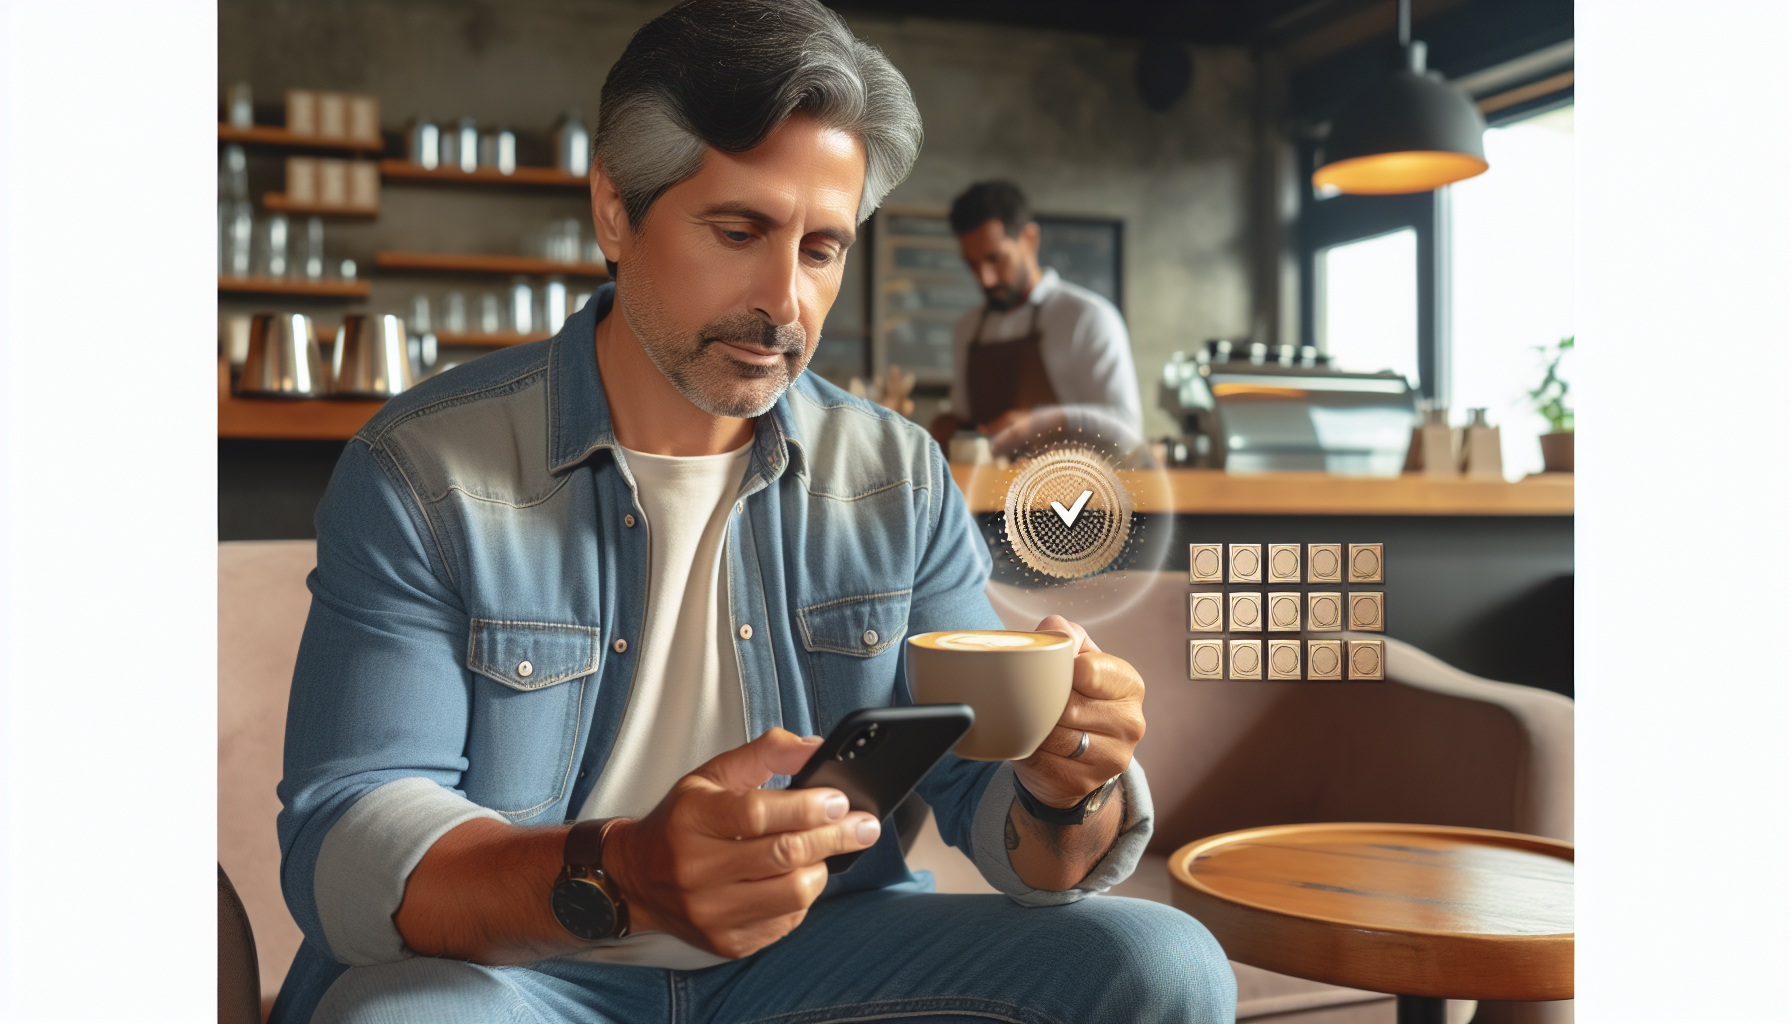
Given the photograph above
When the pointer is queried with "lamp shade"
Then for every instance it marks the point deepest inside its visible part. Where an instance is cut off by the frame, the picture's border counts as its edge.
(1406, 133)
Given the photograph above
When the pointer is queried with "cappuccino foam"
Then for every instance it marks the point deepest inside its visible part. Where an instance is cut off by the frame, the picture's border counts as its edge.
(988, 640)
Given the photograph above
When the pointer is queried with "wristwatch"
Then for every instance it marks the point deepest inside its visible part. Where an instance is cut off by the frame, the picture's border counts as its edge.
(1075, 814)
(584, 899)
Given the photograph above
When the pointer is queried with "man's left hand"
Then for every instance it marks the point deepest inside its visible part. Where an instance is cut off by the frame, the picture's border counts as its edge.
(1107, 700)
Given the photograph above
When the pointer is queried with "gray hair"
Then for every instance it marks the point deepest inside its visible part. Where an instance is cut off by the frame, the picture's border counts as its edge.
(727, 73)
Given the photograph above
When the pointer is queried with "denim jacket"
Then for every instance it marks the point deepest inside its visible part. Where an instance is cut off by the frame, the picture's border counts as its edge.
(478, 522)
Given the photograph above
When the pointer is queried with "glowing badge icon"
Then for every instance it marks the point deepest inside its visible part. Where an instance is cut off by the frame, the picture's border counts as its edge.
(1068, 514)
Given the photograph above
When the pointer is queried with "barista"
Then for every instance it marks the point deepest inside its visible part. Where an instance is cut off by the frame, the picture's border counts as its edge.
(1038, 341)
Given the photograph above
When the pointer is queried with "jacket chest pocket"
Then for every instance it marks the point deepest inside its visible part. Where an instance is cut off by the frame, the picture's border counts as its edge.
(846, 639)
(529, 681)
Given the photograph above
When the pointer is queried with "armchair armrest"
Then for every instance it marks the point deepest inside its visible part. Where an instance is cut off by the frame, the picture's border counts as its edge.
(1543, 802)
(1432, 745)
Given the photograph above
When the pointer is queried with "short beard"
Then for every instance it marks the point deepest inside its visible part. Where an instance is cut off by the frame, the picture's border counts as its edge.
(1007, 295)
(707, 376)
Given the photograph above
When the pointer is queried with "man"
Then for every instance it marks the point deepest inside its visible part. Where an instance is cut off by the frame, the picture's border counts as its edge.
(620, 577)
(1039, 341)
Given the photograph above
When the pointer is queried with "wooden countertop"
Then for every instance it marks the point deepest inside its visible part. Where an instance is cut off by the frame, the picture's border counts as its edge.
(315, 419)
(1216, 492)
(1422, 910)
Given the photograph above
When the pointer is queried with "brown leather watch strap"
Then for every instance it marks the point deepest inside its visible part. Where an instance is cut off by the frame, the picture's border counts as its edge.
(585, 843)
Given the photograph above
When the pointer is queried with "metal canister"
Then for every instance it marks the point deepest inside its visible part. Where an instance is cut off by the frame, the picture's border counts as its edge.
(283, 360)
(370, 359)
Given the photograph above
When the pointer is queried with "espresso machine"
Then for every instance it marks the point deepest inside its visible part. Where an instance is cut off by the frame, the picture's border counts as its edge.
(1251, 408)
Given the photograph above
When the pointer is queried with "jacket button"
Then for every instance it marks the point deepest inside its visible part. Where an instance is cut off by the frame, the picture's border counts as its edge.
(620, 645)
(746, 632)
(629, 521)
(738, 506)
(525, 670)
(871, 638)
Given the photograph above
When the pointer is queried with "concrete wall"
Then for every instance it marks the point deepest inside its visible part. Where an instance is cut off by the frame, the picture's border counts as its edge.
(1055, 111)
(1058, 113)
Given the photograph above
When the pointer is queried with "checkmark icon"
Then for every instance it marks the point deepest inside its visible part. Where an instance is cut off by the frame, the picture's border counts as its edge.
(1069, 514)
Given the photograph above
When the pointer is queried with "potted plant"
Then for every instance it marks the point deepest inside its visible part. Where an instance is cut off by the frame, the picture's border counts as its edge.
(1551, 400)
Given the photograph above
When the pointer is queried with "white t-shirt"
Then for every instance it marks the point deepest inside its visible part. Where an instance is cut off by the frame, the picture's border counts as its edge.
(1083, 343)
(686, 704)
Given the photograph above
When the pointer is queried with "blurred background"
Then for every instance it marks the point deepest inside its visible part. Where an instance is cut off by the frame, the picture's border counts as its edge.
(424, 160)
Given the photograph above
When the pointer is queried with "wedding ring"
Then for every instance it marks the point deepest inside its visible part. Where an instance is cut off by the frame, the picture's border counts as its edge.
(1081, 746)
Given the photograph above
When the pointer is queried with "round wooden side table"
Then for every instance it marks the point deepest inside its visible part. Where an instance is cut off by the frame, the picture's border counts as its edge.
(1427, 912)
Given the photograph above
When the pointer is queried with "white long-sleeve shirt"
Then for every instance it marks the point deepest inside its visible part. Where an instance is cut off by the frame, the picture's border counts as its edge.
(1083, 342)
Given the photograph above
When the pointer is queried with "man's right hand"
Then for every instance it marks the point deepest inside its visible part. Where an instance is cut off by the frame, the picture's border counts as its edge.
(727, 866)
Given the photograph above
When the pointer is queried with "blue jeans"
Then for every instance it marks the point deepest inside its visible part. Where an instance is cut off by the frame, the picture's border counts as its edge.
(888, 954)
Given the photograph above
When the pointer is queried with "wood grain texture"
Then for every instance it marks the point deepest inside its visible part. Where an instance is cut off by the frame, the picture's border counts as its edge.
(273, 135)
(331, 289)
(477, 263)
(1425, 910)
(502, 339)
(1216, 492)
(305, 419)
(278, 201)
(537, 177)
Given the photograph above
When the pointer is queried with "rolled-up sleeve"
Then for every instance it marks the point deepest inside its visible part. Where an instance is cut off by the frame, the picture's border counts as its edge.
(377, 719)
(990, 852)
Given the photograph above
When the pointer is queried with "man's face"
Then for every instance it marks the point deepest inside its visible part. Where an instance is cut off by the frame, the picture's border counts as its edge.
(734, 269)
(1003, 266)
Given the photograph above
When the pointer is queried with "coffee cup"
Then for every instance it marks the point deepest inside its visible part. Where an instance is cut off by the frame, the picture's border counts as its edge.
(1018, 684)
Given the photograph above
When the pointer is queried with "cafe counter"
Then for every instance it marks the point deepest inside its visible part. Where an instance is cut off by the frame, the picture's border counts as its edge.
(1480, 573)
(1216, 492)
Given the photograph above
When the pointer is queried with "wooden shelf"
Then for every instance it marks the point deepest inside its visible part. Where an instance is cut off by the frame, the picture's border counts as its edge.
(1216, 492)
(302, 419)
(270, 135)
(472, 263)
(356, 289)
(278, 201)
(502, 339)
(535, 177)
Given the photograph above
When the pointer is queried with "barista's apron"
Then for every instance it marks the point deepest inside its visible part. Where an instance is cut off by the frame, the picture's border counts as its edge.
(1004, 375)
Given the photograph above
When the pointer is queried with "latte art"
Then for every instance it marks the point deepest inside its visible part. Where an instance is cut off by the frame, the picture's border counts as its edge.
(989, 640)
(1017, 682)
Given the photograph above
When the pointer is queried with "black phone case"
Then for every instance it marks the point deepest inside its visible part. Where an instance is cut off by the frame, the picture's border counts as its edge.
(880, 772)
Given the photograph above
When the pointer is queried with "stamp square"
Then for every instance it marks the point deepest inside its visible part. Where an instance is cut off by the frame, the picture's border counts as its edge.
(1284, 613)
(1365, 659)
(1206, 659)
(1325, 612)
(1245, 660)
(1325, 563)
(1246, 612)
(1284, 659)
(1244, 563)
(1206, 613)
(1206, 564)
(1325, 659)
(1284, 563)
(1365, 563)
(1365, 610)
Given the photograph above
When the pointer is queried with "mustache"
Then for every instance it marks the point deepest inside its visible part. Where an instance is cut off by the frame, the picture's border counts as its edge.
(1001, 298)
(749, 331)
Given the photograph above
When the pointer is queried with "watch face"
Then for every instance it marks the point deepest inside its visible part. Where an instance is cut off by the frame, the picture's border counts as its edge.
(583, 909)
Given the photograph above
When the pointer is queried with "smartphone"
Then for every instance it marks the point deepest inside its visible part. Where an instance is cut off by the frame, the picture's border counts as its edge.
(876, 756)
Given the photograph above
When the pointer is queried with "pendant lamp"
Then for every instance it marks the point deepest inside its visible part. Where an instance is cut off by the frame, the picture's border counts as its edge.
(1409, 132)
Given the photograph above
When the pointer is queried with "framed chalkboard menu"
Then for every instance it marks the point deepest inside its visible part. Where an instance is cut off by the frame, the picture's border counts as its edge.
(1085, 251)
(920, 285)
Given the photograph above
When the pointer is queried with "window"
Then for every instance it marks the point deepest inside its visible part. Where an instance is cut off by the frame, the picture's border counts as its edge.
(1372, 280)
(1368, 299)
(1512, 257)
(1459, 288)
